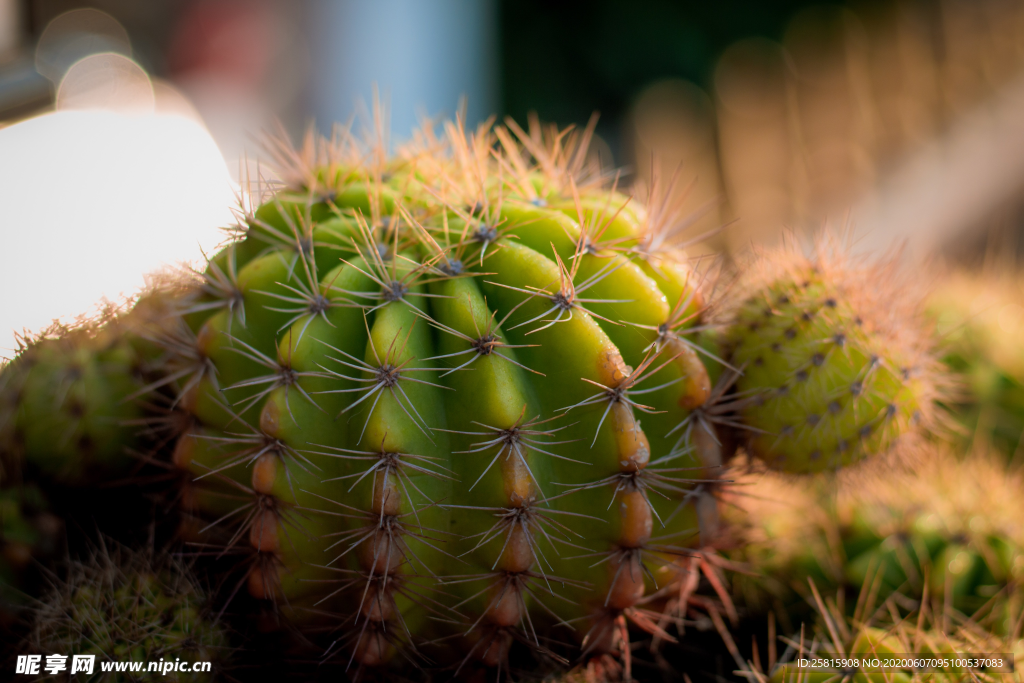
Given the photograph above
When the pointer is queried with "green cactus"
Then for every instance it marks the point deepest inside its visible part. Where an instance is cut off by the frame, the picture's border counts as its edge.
(980, 318)
(952, 531)
(124, 606)
(835, 360)
(66, 405)
(417, 386)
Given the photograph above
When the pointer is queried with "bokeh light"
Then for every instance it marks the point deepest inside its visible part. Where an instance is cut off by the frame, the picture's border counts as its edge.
(121, 181)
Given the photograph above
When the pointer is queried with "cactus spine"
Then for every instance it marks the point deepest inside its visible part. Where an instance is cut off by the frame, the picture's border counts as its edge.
(886, 645)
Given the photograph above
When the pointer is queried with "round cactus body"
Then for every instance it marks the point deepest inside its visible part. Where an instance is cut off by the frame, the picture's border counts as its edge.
(834, 367)
(444, 396)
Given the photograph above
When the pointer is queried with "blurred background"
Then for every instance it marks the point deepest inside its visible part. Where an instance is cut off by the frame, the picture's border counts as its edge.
(125, 126)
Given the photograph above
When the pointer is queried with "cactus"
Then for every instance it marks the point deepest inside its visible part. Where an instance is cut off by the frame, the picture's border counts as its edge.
(951, 531)
(784, 531)
(835, 359)
(875, 633)
(978, 316)
(415, 390)
(124, 606)
(66, 403)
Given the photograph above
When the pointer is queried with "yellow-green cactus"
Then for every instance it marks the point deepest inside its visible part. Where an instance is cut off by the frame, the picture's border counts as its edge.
(66, 405)
(835, 360)
(417, 387)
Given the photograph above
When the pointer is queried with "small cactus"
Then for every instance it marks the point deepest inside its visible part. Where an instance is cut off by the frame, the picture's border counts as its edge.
(124, 606)
(834, 358)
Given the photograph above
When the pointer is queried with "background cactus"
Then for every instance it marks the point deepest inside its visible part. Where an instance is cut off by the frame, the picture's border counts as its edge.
(876, 631)
(126, 606)
(835, 367)
(979, 318)
(66, 403)
(951, 531)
